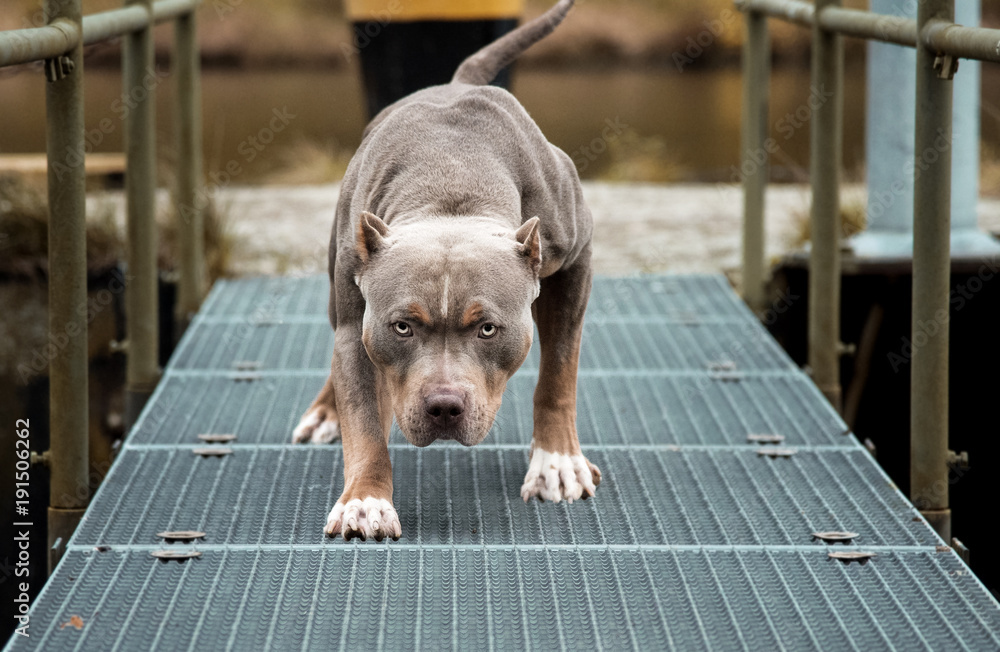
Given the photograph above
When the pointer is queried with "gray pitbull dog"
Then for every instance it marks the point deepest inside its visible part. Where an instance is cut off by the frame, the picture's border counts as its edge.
(457, 224)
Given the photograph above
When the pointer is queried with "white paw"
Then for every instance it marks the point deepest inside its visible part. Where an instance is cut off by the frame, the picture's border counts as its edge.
(371, 517)
(557, 476)
(316, 429)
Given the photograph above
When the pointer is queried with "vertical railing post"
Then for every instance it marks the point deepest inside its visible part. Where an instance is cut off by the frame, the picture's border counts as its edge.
(68, 387)
(141, 305)
(754, 154)
(824, 172)
(189, 212)
(931, 276)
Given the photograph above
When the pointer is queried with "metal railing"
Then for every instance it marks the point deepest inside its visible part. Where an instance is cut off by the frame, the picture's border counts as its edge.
(60, 45)
(939, 43)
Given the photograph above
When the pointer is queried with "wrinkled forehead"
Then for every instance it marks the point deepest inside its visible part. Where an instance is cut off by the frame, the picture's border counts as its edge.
(449, 277)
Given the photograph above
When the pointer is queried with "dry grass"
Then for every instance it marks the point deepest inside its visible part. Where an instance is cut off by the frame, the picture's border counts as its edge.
(989, 171)
(219, 240)
(639, 158)
(308, 162)
(24, 231)
(853, 216)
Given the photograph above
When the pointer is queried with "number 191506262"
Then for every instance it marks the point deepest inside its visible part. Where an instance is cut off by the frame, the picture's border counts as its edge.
(22, 445)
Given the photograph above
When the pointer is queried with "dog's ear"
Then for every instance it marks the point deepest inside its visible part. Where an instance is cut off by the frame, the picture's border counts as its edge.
(371, 235)
(530, 238)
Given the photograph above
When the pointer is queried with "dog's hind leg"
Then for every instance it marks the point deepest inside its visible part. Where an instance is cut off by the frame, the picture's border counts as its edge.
(321, 423)
(557, 469)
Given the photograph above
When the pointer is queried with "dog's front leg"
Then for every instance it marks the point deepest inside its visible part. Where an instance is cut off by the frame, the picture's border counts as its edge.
(365, 506)
(557, 469)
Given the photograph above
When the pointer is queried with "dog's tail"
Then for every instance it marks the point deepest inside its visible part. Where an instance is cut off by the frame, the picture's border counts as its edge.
(484, 65)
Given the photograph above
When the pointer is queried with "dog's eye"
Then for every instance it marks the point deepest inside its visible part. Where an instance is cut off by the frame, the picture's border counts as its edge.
(487, 331)
(402, 328)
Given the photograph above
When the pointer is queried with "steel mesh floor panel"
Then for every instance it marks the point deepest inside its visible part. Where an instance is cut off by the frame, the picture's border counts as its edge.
(612, 409)
(353, 598)
(263, 298)
(681, 297)
(607, 345)
(265, 346)
(694, 540)
(653, 496)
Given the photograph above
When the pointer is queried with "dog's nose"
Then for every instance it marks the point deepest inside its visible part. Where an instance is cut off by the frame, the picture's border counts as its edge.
(444, 407)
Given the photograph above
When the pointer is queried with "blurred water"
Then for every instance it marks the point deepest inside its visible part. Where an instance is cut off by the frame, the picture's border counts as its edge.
(695, 115)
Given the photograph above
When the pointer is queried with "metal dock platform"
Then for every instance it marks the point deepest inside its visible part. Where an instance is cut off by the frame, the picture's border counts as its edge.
(695, 538)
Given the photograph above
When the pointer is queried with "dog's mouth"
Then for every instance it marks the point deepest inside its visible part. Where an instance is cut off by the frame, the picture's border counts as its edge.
(421, 431)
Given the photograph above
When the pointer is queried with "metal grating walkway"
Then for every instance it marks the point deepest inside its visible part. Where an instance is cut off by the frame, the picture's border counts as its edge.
(693, 541)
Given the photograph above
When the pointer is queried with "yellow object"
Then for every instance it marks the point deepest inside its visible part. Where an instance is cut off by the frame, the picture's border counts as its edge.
(407, 10)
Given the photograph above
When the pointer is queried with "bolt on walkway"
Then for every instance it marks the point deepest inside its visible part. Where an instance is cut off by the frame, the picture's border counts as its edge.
(700, 536)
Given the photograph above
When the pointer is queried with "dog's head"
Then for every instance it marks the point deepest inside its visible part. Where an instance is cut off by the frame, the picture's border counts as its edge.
(447, 318)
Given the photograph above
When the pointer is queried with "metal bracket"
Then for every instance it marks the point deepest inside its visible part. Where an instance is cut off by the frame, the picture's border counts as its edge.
(246, 377)
(660, 287)
(212, 451)
(217, 439)
(765, 439)
(870, 446)
(41, 459)
(960, 548)
(246, 365)
(835, 537)
(118, 346)
(59, 68)
(686, 317)
(186, 536)
(846, 349)
(776, 451)
(55, 553)
(179, 555)
(848, 556)
(946, 66)
(958, 460)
